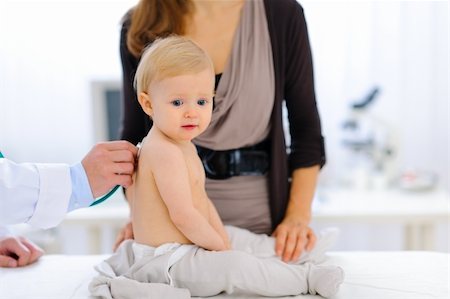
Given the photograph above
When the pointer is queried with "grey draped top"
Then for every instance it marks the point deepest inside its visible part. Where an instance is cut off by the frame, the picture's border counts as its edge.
(243, 106)
(245, 94)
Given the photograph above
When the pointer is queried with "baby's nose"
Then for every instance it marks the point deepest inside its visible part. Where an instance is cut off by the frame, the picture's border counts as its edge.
(190, 113)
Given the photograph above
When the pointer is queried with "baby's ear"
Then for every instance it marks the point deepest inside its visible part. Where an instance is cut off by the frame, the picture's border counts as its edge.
(146, 104)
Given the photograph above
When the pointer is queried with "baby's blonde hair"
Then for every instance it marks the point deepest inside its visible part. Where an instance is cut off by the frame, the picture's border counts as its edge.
(169, 57)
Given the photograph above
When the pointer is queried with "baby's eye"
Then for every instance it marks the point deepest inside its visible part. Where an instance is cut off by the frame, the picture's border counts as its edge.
(202, 102)
(177, 102)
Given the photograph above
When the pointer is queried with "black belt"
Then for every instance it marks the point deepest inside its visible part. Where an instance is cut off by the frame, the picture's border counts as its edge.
(220, 165)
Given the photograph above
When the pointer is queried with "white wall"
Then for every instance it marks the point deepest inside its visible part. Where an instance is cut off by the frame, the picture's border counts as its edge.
(49, 53)
(401, 46)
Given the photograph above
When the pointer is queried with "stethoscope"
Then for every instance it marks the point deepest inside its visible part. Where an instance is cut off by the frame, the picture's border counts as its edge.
(99, 200)
(113, 190)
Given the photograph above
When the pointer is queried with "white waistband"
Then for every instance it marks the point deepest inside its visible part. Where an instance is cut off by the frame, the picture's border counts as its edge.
(179, 250)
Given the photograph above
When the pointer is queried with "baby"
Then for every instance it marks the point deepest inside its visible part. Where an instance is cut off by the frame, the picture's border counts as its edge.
(178, 232)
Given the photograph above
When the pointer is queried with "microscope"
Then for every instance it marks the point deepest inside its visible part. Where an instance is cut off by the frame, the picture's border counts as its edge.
(369, 145)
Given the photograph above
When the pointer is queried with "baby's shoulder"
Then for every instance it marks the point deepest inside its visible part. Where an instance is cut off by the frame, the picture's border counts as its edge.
(158, 151)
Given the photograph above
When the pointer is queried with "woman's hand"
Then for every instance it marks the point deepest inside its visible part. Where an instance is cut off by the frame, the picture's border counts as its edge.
(125, 233)
(292, 237)
(293, 234)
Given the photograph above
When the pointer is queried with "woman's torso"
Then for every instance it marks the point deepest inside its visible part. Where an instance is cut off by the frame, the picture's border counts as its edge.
(214, 33)
(242, 201)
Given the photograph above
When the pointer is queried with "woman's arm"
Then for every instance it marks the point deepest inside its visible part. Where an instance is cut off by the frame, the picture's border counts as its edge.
(303, 187)
(135, 123)
(307, 153)
(294, 235)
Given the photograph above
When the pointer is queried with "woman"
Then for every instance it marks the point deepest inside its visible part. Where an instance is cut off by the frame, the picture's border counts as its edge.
(261, 55)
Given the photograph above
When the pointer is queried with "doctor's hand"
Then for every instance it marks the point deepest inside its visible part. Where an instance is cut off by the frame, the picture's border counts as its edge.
(18, 252)
(109, 164)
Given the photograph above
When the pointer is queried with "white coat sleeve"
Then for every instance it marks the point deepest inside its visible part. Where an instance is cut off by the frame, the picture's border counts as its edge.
(37, 194)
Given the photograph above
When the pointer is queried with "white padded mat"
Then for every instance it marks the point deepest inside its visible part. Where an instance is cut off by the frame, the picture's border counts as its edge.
(369, 275)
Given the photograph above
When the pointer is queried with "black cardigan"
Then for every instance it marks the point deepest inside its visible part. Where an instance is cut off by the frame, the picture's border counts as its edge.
(294, 83)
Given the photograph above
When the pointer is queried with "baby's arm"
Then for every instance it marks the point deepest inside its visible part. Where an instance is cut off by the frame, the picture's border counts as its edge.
(216, 222)
(172, 179)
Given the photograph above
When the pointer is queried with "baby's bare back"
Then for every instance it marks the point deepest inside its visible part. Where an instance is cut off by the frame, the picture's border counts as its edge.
(152, 224)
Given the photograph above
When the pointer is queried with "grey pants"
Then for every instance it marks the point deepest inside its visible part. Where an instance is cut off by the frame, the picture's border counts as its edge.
(250, 267)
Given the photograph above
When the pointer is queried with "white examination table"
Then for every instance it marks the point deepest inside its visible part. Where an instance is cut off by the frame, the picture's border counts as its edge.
(369, 275)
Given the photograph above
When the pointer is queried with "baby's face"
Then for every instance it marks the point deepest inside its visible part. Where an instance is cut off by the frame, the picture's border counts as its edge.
(182, 105)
